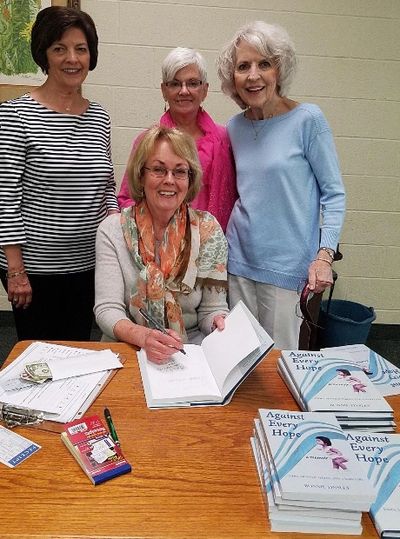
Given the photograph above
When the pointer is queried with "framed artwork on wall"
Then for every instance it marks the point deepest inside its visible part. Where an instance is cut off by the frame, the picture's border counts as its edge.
(18, 72)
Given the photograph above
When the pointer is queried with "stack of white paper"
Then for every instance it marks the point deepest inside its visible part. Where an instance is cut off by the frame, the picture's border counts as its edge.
(79, 376)
(310, 477)
(331, 382)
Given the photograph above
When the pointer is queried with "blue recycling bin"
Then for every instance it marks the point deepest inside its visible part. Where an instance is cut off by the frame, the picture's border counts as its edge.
(344, 322)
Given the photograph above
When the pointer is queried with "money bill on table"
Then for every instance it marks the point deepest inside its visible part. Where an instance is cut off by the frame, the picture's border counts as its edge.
(36, 372)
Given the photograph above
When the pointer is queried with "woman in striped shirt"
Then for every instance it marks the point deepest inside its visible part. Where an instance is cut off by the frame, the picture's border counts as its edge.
(56, 184)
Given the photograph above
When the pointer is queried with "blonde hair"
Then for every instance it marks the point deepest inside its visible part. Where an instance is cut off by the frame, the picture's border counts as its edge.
(270, 40)
(183, 146)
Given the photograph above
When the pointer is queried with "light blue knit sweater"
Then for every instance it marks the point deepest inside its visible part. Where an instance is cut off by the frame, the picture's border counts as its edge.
(291, 195)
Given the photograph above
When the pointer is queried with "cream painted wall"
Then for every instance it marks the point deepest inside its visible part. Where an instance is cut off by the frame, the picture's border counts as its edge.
(349, 55)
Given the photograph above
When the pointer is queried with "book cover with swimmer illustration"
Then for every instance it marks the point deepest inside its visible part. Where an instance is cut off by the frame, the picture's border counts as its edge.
(312, 459)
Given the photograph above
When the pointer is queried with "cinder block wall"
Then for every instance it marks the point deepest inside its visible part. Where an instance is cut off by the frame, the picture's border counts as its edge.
(349, 56)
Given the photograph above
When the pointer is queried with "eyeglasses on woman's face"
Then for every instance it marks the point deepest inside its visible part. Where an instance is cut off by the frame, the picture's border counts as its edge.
(177, 85)
(160, 172)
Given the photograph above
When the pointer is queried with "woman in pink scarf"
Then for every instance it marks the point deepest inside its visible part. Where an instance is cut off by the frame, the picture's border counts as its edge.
(184, 87)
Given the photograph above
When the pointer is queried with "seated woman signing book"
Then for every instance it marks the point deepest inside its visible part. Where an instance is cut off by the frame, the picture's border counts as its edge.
(161, 256)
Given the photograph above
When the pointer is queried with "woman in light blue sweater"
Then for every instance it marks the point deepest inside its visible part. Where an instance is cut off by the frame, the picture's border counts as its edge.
(285, 226)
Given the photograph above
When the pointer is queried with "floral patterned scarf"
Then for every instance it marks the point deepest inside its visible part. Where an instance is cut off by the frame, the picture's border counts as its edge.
(192, 253)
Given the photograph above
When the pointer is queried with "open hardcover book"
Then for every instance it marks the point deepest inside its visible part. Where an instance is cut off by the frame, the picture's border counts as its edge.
(208, 374)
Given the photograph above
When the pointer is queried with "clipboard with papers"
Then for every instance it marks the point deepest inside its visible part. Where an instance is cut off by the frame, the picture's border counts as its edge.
(81, 375)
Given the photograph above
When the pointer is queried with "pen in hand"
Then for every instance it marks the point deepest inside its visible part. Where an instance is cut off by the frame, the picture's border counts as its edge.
(111, 427)
(157, 326)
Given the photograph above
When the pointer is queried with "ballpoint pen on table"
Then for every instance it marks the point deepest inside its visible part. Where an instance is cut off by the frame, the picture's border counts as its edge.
(158, 326)
(110, 424)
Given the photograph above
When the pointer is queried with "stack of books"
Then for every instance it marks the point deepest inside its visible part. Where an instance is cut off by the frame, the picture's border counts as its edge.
(331, 382)
(380, 455)
(384, 375)
(311, 479)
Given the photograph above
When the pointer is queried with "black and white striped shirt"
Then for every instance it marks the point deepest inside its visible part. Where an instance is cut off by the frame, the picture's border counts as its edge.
(56, 184)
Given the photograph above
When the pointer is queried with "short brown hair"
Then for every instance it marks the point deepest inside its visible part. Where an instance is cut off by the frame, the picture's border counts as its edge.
(182, 144)
(50, 25)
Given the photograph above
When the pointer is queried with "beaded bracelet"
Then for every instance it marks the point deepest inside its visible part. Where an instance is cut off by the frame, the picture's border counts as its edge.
(322, 260)
(12, 274)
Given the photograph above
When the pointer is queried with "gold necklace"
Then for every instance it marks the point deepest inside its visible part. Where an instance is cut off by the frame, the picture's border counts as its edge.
(253, 125)
(69, 106)
(73, 104)
(258, 131)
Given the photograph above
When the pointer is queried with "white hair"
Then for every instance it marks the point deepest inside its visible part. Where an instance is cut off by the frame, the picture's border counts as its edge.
(178, 59)
(270, 40)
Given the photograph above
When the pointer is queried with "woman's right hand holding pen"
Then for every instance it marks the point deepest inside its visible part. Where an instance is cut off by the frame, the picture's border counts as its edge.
(160, 346)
